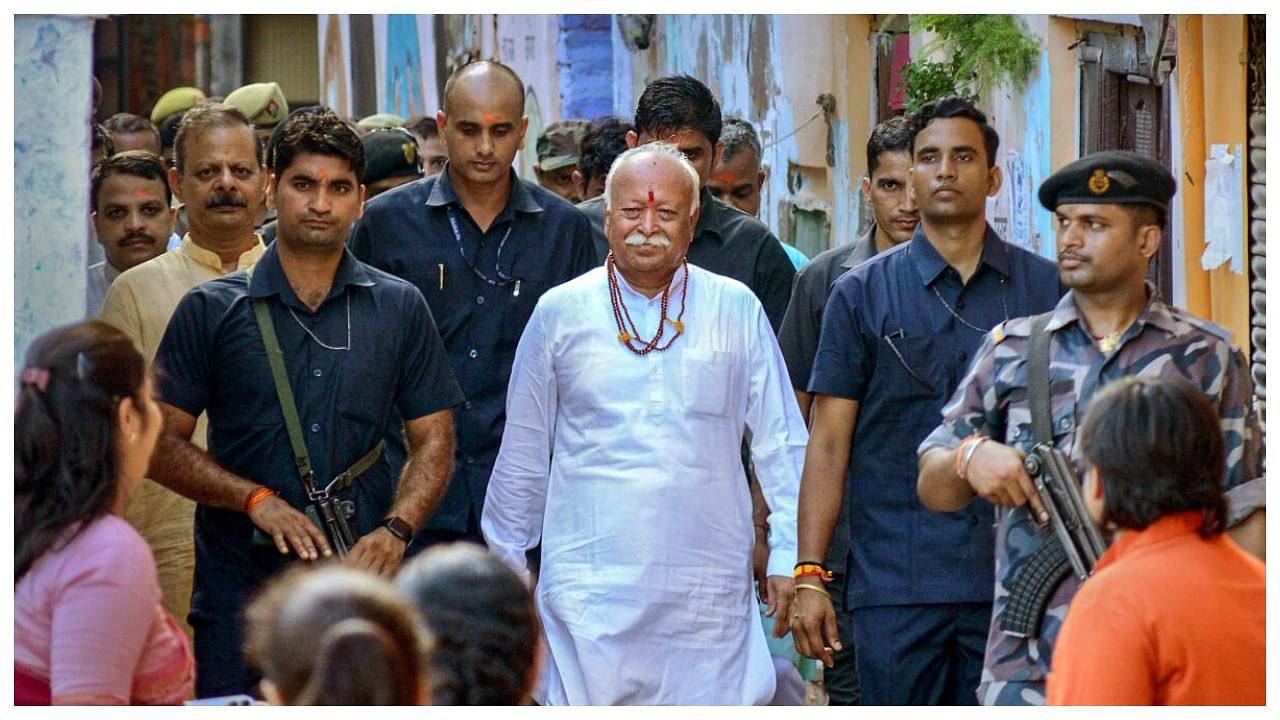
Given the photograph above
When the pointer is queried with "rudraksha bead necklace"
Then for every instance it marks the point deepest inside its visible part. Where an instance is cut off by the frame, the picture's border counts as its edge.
(627, 331)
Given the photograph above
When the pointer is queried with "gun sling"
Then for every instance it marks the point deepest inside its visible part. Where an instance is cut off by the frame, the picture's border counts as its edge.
(1048, 565)
(284, 393)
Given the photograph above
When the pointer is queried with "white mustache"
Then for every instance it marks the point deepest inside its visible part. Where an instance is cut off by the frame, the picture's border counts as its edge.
(659, 239)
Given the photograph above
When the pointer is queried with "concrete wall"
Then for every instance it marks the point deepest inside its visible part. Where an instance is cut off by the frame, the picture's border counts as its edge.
(52, 67)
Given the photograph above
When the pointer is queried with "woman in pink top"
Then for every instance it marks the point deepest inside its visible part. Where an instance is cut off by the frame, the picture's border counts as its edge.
(89, 627)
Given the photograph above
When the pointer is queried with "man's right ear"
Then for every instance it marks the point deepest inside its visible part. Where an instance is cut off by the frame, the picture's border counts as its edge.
(578, 182)
(175, 184)
(632, 139)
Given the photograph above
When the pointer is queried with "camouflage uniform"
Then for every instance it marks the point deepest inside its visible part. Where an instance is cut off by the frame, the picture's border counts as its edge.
(992, 400)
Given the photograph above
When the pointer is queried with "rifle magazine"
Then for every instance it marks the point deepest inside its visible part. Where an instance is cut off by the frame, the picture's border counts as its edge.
(1034, 585)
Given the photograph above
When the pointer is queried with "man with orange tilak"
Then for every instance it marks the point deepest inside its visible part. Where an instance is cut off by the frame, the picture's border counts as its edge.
(629, 394)
(482, 245)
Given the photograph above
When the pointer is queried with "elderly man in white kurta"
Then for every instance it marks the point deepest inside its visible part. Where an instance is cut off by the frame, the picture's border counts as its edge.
(625, 414)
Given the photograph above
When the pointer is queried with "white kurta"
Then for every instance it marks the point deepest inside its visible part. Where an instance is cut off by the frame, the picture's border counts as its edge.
(628, 470)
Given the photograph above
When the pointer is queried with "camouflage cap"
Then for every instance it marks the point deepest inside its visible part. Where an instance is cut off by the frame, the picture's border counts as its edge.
(389, 153)
(380, 121)
(263, 103)
(558, 144)
(1112, 177)
(176, 100)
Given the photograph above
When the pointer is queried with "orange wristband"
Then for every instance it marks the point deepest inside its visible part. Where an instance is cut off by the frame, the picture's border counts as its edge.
(256, 496)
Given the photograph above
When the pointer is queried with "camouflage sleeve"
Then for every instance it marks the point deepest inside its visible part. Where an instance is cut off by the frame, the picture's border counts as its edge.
(1242, 436)
(973, 406)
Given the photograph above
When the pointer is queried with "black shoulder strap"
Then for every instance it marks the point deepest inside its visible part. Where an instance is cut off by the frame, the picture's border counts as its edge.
(1038, 380)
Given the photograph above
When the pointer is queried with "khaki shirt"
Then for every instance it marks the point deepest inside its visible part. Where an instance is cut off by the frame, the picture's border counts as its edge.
(140, 302)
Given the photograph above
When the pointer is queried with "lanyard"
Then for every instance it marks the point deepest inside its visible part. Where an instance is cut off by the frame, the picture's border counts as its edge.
(503, 278)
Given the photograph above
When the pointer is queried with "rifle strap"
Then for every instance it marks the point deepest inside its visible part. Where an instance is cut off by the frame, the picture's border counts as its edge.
(1038, 380)
(289, 409)
(284, 392)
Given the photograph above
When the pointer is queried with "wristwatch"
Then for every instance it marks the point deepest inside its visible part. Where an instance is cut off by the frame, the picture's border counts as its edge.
(399, 528)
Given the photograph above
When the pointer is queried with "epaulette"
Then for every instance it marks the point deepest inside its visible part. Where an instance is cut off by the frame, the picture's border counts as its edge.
(1200, 323)
(1013, 327)
(997, 333)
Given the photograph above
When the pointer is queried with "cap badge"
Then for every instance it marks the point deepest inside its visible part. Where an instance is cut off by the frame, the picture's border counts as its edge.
(410, 151)
(1099, 183)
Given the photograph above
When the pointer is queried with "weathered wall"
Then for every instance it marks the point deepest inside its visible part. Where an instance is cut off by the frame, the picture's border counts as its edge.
(1212, 105)
(52, 67)
(584, 62)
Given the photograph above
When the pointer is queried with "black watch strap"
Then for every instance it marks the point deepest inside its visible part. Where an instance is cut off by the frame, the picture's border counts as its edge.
(399, 528)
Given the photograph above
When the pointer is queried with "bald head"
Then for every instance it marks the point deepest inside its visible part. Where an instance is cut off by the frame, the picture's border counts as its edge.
(637, 159)
(487, 81)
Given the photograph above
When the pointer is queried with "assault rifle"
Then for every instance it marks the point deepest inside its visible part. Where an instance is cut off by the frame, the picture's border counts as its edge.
(1073, 547)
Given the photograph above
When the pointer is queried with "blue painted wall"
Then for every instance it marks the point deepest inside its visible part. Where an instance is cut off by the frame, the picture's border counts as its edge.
(584, 56)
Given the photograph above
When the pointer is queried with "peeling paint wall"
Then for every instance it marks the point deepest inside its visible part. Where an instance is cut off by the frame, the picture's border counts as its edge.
(52, 67)
(584, 60)
(770, 70)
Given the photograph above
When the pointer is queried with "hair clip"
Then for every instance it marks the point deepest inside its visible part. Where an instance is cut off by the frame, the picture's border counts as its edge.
(37, 376)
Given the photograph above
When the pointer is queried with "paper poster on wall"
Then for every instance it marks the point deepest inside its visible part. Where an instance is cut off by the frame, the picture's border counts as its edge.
(1224, 208)
(335, 63)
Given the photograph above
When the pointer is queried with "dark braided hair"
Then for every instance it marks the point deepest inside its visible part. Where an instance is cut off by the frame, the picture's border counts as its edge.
(484, 624)
(65, 466)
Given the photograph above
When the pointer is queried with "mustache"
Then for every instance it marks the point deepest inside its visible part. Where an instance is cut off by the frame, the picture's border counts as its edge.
(220, 199)
(658, 239)
(1068, 255)
(143, 236)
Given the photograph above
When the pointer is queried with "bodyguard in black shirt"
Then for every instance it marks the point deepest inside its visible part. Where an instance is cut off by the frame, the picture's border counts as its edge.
(682, 111)
(482, 246)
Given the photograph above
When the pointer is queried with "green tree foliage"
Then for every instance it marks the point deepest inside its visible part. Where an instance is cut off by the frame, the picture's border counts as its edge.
(980, 52)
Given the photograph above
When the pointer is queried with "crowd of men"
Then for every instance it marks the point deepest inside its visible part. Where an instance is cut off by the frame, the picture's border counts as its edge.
(373, 336)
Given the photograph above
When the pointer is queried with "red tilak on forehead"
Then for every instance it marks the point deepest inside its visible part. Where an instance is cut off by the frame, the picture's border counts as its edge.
(139, 192)
(650, 196)
(726, 178)
(491, 118)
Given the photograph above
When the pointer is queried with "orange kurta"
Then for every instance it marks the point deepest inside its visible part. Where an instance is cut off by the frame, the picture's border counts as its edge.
(1168, 618)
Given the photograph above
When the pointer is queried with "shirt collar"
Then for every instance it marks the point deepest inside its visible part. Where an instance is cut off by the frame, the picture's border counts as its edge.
(709, 218)
(1155, 313)
(1166, 528)
(675, 285)
(930, 264)
(864, 249)
(210, 259)
(268, 278)
(520, 200)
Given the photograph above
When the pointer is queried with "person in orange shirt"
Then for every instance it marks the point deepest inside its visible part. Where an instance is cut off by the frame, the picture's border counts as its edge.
(1175, 612)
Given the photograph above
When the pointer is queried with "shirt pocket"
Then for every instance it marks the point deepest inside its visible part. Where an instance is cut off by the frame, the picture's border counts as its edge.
(710, 380)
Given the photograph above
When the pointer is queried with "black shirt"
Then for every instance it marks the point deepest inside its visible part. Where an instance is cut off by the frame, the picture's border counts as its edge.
(537, 242)
(728, 242)
(798, 338)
